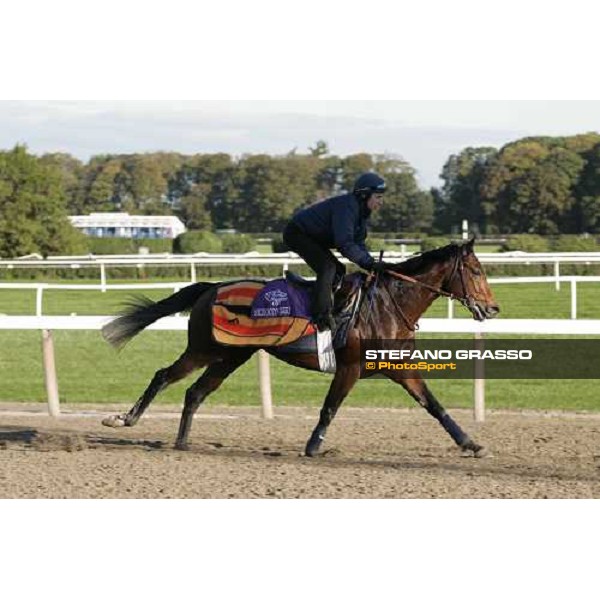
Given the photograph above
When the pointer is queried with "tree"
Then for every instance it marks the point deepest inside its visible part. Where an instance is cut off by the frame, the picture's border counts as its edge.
(528, 187)
(193, 208)
(71, 170)
(204, 190)
(104, 186)
(320, 149)
(406, 207)
(146, 182)
(586, 212)
(272, 188)
(353, 166)
(460, 197)
(33, 216)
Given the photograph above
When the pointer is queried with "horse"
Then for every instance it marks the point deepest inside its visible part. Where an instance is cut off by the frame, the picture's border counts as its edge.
(398, 298)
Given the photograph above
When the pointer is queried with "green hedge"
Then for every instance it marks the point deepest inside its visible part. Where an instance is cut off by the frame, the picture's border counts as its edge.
(155, 246)
(431, 243)
(111, 246)
(224, 272)
(237, 243)
(128, 245)
(191, 242)
(527, 242)
(575, 243)
(375, 244)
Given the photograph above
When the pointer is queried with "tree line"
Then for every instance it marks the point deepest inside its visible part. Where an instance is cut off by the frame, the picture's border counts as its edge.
(543, 185)
(252, 193)
(535, 185)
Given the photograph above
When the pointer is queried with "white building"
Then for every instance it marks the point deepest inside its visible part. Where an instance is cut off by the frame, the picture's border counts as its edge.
(124, 225)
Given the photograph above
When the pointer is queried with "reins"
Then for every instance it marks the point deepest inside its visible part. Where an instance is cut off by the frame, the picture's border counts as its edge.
(435, 290)
(465, 299)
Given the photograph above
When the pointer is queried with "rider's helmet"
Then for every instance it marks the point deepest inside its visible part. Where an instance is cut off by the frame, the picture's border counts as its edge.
(367, 185)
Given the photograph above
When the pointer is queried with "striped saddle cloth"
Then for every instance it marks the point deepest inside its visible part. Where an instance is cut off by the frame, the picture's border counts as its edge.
(260, 313)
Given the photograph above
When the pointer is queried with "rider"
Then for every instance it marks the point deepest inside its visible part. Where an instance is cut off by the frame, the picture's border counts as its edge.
(339, 222)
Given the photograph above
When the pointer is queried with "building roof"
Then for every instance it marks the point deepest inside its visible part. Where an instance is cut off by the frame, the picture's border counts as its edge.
(127, 220)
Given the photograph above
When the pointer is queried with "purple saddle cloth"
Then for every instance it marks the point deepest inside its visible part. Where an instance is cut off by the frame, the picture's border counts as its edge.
(278, 299)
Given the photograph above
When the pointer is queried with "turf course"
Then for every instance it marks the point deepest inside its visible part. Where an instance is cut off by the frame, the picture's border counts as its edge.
(90, 371)
(517, 301)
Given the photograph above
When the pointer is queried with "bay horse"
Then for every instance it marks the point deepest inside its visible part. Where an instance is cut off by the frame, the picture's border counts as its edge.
(397, 300)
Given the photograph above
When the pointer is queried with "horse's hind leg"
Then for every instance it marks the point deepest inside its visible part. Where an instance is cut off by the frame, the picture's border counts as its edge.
(207, 383)
(343, 381)
(183, 366)
(422, 394)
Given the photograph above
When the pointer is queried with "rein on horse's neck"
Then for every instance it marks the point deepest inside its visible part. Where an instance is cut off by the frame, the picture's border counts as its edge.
(432, 289)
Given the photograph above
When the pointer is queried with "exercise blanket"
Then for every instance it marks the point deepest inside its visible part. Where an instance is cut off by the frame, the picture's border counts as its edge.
(234, 325)
(280, 299)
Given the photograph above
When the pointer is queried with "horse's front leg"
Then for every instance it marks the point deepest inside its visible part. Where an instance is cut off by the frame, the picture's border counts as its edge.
(344, 379)
(417, 388)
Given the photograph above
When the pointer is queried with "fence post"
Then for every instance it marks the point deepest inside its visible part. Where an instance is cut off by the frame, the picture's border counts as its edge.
(103, 277)
(573, 299)
(557, 276)
(193, 272)
(39, 295)
(264, 381)
(50, 373)
(479, 383)
(450, 308)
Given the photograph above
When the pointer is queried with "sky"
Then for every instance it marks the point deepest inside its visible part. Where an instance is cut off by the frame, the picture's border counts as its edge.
(424, 133)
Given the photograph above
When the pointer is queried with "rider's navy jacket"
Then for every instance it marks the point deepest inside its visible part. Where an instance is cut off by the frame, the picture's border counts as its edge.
(339, 222)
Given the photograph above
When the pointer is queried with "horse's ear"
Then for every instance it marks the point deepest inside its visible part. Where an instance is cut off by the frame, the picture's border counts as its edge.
(468, 246)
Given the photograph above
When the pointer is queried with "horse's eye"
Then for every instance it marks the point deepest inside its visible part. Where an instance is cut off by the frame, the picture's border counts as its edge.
(476, 272)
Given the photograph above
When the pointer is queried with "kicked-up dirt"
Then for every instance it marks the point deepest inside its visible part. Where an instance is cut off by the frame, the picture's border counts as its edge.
(234, 453)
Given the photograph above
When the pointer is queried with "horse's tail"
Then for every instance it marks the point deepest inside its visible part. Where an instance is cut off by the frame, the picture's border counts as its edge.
(141, 312)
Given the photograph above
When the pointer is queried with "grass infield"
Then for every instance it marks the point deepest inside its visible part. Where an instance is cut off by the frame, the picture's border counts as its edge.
(90, 371)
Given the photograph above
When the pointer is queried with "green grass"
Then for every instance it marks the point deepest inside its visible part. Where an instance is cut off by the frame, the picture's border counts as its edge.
(90, 371)
(517, 301)
(264, 248)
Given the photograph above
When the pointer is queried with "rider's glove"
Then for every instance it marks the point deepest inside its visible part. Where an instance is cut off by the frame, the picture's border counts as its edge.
(380, 267)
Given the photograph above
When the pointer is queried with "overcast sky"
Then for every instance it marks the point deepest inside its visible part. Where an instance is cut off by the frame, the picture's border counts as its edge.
(424, 133)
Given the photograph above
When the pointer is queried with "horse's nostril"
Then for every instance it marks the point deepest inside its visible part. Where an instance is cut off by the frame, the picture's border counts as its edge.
(493, 310)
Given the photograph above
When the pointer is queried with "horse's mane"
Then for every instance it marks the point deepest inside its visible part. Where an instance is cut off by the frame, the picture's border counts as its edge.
(425, 260)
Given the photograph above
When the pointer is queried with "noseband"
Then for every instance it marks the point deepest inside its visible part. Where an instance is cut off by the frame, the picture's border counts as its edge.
(465, 299)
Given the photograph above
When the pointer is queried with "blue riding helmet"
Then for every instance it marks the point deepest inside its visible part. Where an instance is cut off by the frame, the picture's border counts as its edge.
(368, 184)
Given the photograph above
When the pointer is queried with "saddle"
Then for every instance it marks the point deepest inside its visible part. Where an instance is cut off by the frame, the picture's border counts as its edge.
(277, 312)
(346, 302)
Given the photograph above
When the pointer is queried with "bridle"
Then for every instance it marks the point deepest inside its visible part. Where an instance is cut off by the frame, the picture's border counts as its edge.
(465, 299)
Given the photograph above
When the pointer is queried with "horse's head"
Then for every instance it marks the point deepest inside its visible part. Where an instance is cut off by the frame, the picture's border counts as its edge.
(468, 283)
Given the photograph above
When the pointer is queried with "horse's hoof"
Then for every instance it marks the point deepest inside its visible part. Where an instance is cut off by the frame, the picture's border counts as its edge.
(312, 448)
(114, 421)
(313, 444)
(475, 451)
(183, 447)
(481, 453)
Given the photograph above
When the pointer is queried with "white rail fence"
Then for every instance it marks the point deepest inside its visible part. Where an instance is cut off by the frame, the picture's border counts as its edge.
(285, 260)
(40, 288)
(463, 326)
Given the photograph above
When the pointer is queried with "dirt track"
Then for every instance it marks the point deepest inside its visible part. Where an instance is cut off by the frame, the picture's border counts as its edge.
(369, 453)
